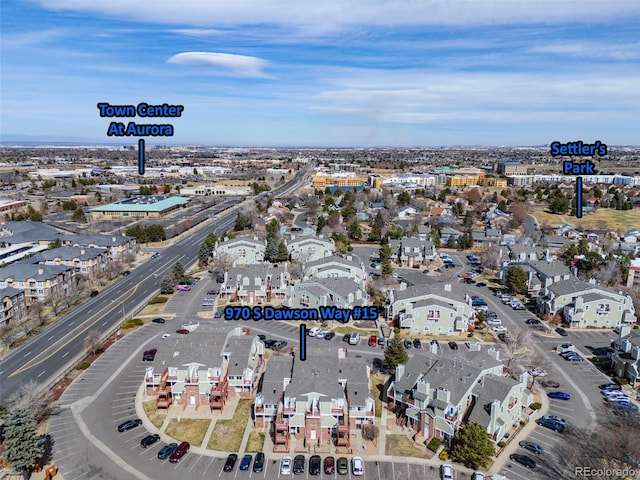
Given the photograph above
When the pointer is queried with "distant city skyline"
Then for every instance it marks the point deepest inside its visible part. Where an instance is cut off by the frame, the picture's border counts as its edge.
(335, 73)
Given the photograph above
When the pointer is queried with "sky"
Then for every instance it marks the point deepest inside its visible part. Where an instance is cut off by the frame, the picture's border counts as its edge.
(325, 73)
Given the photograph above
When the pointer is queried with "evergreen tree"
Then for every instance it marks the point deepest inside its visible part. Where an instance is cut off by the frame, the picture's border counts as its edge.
(178, 272)
(57, 243)
(21, 439)
(283, 252)
(385, 252)
(435, 238)
(167, 286)
(375, 234)
(355, 233)
(211, 240)
(271, 250)
(516, 279)
(79, 216)
(395, 354)
(387, 267)
(379, 220)
(404, 198)
(272, 228)
(204, 253)
(472, 446)
(322, 222)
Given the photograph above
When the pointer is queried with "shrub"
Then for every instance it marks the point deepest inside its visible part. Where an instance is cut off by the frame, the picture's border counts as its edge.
(434, 445)
(502, 443)
(621, 380)
(444, 455)
(136, 322)
(83, 365)
(470, 334)
(535, 406)
(158, 299)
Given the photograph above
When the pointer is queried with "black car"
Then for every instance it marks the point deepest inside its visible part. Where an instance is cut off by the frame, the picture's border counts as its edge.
(158, 320)
(610, 386)
(126, 272)
(262, 337)
(436, 343)
(167, 450)
(525, 460)
(561, 331)
(417, 343)
(149, 440)
(314, 465)
(258, 462)
(95, 293)
(231, 462)
(329, 335)
(453, 345)
(280, 344)
(148, 358)
(502, 336)
(346, 337)
(218, 314)
(407, 344)
(532, 321)
(269, 343)
(481, 284)
(129, 424)
(298, 465)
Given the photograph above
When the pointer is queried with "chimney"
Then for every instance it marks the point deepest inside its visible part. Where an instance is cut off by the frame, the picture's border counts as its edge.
(40, 271)
(82, 251)
(113, 239)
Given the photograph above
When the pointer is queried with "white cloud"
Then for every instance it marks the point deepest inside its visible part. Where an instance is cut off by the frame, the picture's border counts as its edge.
(592, 50)
(197, 32)
(240, 64)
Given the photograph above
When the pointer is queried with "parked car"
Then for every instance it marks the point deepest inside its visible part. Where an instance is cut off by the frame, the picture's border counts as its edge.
(453, 345)
(184, 288)
(346, 337)
(478, 476)
(499, 328)
(329, 465)
(625, 406)
(245, 463)
(129, 424)
(550, 384)
(436, 343)
(167, 450)
(532, 321)
(280, 344)
(343, 466)
(95, 293)
(215, 291)
(502, 336)
(182, 331)
(149, 440)
(315, 462)
(559, 395)
(158, 320)
(285, 466)
(321, 334)
(357, 466)
(557, 419)
(298, 464)
(545, 422)
(258, 462)
(417, 343)
(562, 332)
(373, 341)
(407, 343)
(610, 386)
(180, 452)
(381, 341)
(329, 335)
(531, 446)
(126, 272)
(524, 460)
(231, 462)
(446, 472)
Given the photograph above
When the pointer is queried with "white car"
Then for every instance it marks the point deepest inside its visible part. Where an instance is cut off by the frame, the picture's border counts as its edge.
(321, 334)
(166, 335)
(285, 466)
(494, 321)
(478, 476)
(537, 373)
(499, 328)
(314, 331)
(357, 466)
(446, 472)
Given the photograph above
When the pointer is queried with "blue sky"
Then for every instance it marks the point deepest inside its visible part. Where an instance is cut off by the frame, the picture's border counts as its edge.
(326, 73)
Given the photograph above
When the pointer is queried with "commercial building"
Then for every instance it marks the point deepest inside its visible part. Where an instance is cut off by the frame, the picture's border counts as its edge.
(141, 206)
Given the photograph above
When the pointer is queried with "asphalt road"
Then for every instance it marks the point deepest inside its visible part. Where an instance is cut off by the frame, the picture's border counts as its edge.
(43, 357)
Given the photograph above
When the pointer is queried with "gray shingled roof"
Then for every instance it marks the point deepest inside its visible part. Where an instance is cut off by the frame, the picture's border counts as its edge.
(278, 368)
(105, 241)
(426, 289)
(492, 388)
(10, 292)
(68, 253)
(23, 270)
(202, 345)
(550, 269)
(27, 232)
(333, 258)
(574, 286)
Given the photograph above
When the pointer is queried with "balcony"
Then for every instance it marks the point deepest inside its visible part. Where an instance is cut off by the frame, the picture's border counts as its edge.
(451, 418)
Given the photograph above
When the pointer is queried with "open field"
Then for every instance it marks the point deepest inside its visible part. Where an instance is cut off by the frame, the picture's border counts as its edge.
(401, 446)
(227, 434)
(188, 429)
(150, 410)
(603, 218)
(255, 442)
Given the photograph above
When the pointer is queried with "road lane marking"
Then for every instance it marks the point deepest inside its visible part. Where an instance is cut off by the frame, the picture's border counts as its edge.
(41, 373)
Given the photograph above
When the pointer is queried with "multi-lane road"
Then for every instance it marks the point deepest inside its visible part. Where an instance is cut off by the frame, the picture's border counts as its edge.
(44, 356)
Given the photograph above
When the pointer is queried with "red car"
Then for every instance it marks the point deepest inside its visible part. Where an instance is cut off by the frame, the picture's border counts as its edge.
(153, 351)
(550, 384)
(180, 452)
(373, 341)
(183, 331)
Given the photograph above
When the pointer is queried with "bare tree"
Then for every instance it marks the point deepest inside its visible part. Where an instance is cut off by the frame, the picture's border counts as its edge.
(93, 342)
(517, 345)
(370, 432)
(609, 273)
(537, 365)
(490, 257)
(30, 395)
(601, 453)
(7, 334)
(295, 270)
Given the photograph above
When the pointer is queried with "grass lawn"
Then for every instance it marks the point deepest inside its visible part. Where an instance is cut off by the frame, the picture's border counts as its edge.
(150, 411)
(190, 430)
(255, 442)
(401, 446)
(377, 387)
(227, 434)
(152, 310)
(605, 218)
(362, 332)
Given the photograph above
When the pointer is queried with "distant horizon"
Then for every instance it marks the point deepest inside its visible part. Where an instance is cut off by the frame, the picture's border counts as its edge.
(330, 74)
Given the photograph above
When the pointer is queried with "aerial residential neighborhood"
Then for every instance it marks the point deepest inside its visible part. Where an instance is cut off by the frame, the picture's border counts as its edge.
(269, 240)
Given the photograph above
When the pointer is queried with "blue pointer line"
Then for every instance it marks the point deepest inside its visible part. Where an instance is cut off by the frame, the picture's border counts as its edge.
(141, 156)
(303, 342)
(579, 197)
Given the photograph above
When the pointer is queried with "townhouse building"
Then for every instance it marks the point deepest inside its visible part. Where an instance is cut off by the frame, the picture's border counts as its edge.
(335, 267)
(430, 309)
(322, 292)
(438, 394)
(240, 251)
(255, 284)
(87, 262)
(412, 252)
(204, 369)
(40, 283)
(625, 358)
(309, 249)
(14, 307)
(586, 305)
